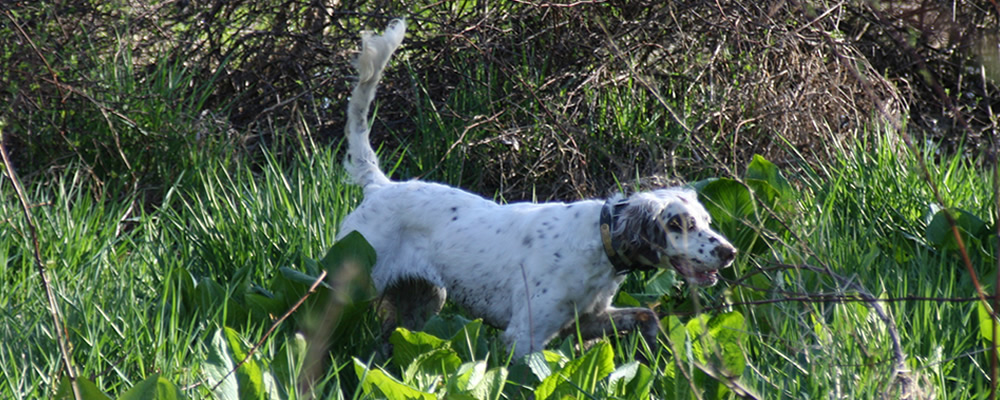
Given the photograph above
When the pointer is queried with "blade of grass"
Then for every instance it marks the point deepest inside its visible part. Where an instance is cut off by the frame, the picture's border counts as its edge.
(61, 336)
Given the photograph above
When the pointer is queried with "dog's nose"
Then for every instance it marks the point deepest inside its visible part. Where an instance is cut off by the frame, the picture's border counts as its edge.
(725, 253)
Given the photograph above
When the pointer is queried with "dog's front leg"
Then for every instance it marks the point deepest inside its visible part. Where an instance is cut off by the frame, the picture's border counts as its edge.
(617, 320)
(530, 332)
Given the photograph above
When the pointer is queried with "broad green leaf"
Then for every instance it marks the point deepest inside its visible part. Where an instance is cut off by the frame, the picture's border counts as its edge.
(466, 377)
(729, 334)
(250, 375)
(730, 204)
(473, 381)
(155, 387)
(639, 386)
(302, 279)
(376, 382)
(260, 303)
(765, 171)
(622, 375)
(662, 282)
(580, 374)
(446, 326)
(210, 294)
(543, 362)
(408, 345)
(219, 363)
(675, 333)
(697, 333)
(626, 300)
(432, 364)
(970, 227)
(290, 359)
(491, 386)
(467, 342)
(351, 250)
(88, 390)
(986, 322)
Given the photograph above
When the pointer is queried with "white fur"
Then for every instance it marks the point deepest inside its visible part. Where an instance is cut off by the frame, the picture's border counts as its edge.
(529, 269)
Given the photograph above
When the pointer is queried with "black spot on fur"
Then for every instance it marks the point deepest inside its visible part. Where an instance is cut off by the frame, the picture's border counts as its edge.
(454, 218)
(527, 241)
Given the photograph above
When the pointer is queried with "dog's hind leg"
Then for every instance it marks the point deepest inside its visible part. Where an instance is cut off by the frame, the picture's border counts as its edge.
(412, 302)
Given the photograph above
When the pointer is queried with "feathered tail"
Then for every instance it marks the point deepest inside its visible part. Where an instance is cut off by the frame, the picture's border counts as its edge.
(361, 162)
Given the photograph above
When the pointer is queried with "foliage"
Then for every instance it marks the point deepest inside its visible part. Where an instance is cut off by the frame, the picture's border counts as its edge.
(549, 99)
(183, 172)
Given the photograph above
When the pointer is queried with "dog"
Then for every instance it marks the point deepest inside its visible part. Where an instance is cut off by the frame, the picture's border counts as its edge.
(534, 270)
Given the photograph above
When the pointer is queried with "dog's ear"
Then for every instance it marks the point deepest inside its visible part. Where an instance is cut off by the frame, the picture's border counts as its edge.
(641, 227)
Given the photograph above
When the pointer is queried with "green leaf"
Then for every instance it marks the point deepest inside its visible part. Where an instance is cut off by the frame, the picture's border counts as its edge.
(664, 281)
(267, 305)
(580, 374)
(633, 380)
(155, 387)
(375, 382)
(729, 333)
(491, 386)
(446, 326)
(986, 322)
(728, 201)
(351, 251)
(466, 377)
(467, 342)
(761, 169)
(302, 279)
(970, 227)
(626, 300)
(542, 363)
(88, 390)
(250, 375)
(292, 357)
(219, 363)
(408, 345)
(432, 364)
(473, 381)
(622, 375)
(640, 385)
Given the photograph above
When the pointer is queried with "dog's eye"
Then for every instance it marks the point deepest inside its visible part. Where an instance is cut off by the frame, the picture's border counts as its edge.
(679, 223)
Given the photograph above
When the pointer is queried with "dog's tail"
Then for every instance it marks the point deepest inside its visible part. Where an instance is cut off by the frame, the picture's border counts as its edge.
(361, 162)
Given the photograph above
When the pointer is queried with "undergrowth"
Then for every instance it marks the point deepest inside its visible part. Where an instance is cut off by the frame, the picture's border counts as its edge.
(181, 293)
(185, 201)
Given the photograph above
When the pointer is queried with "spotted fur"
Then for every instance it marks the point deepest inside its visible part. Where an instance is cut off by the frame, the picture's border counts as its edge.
(536, 271)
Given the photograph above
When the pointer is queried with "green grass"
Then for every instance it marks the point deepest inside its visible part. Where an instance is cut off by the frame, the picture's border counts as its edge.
(118, 268)
(177, 278)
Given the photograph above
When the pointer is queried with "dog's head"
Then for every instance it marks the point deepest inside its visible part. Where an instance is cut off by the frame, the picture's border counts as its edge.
(670, 227)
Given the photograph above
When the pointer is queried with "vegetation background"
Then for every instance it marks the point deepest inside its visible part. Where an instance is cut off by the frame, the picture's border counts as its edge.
(180, 160)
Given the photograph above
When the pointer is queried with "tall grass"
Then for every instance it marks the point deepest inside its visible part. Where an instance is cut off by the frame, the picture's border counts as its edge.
(114, 264)
(150, 278)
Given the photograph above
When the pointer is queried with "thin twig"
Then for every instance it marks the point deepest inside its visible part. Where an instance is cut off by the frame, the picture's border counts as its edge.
(55, 77)
(61, 336)
(312, 288)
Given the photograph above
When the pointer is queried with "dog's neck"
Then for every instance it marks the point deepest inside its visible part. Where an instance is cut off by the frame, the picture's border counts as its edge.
(624, 258)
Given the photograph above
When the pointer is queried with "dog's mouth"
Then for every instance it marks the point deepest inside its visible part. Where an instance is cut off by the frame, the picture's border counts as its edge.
(700, 277)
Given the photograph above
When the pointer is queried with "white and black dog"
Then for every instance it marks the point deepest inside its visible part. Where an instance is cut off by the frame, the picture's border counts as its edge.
(532, 270)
